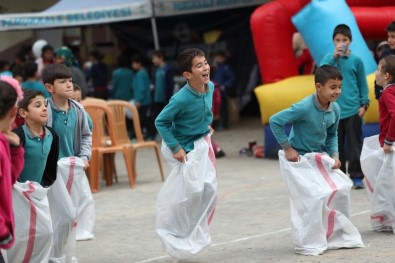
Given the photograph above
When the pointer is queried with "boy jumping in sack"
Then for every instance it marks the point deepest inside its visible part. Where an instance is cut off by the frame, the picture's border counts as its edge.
(319, 191)
(186, 201)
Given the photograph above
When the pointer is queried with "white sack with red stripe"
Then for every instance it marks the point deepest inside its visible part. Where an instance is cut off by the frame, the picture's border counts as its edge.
(186, 202)
(64, 223)
(378, 168)
(319, 200)
(33, 225)
(71, 170)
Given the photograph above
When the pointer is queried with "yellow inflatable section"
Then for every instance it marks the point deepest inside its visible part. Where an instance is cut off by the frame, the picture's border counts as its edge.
(277, 96)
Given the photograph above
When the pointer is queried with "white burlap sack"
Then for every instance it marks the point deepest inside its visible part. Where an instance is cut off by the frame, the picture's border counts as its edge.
(33, 225)
(71, 170)
(319, 200)
(186, 201)
(64, 222)
(379, 172)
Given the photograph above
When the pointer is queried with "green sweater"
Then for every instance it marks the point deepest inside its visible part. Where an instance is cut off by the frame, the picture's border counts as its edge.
(186, 118)
(354, 85)
(312, 126)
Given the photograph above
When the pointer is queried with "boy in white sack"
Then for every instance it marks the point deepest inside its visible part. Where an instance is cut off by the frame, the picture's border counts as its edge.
(319, 191)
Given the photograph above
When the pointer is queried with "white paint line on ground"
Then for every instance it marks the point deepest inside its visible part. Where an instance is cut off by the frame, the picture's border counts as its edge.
(245, 238)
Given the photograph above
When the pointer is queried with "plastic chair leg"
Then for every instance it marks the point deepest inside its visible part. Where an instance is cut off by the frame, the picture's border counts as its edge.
(158, 157)
(94, 171)
(129, 166)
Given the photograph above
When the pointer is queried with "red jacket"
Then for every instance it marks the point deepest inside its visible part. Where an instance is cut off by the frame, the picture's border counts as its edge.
(387, 114)
(11, 165)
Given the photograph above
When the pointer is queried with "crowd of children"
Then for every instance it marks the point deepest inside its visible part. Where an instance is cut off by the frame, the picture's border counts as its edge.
(55, 125)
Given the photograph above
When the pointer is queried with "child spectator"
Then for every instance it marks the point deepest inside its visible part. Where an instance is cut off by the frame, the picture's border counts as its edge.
(41, 143)
(163, 82)
(11, 158)
(63, 55)
(78, 97)
(308, 133)
(31, 79)
(5, 68)
(386, 52)
(122, 80)
(184, 126)
(215, 109)
(353, 103)
(47, 58)
(142, 95)
(66, 116)
(97, 74)
(224, 76)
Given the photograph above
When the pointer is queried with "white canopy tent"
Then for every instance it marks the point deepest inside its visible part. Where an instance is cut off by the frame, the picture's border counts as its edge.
(67, 13)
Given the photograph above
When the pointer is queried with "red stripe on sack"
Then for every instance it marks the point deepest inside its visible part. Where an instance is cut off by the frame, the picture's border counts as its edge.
(71, 175)
(211, 216)
(211, 154)
(369, 185)
(328, 179)
(379, 218)
(32, 225)
(331, 223)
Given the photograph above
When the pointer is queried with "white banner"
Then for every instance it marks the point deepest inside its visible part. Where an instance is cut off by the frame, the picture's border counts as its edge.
(98, 15)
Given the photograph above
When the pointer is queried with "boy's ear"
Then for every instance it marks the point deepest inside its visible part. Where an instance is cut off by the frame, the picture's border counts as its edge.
(13, 112)
(187, 75)
(49, 87)
(318, 86)
(22, 113)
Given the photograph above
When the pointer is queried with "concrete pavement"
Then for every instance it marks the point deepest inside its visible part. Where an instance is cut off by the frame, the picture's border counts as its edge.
(251, 223)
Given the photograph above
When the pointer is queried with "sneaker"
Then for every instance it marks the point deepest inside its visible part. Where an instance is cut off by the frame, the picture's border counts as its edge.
(358, 183)
(220, 154)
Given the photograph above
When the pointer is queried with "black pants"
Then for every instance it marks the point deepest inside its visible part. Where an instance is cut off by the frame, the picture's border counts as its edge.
(350, 129)
(223, 111)
(146, 121)
(1, 258)
(157, 107)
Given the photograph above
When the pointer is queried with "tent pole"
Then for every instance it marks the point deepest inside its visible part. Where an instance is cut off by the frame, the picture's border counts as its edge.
(154, 28)
(155, 33)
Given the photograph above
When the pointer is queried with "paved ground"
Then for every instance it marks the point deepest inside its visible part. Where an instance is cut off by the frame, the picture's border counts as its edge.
(251, 223)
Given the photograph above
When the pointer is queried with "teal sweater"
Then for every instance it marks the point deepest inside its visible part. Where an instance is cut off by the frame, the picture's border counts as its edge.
(160, 85)
(186, 118)
(122, 84)
(312, 126)
(142, 93)
(354, 85)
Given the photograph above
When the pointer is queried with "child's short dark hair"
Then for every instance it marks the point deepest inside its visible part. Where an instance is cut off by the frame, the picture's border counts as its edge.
(391, 27)
(8, 97)
(30, 69)
(55, 71)
(159, 54)
(325, 73)
(184, 59)
(138, 58)
(3, 64)
(28, 96)
(76, 87)
(222, 53)
(342, 29)
(46, 48)
(388, 65)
